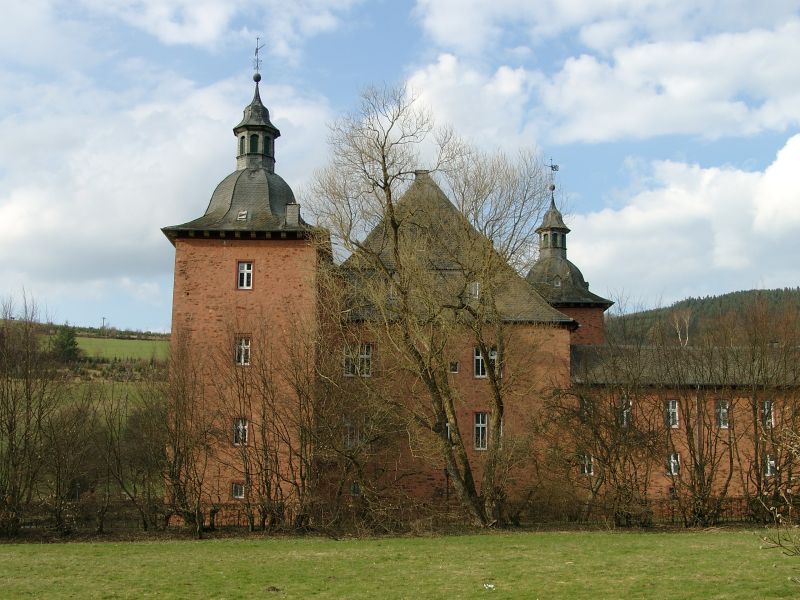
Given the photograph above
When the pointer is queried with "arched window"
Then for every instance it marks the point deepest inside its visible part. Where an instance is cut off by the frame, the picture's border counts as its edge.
(254, 143)
(544, 240)
(555, 240)
(241, 145)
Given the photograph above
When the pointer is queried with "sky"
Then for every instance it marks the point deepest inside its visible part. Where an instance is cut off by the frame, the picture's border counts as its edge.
(676, 125)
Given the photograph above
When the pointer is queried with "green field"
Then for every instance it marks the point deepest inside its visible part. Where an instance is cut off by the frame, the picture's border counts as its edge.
(710, 564)
(123, 349)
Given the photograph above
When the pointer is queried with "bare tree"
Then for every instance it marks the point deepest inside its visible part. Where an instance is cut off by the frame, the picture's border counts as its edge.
(423, 291)
(31, 388)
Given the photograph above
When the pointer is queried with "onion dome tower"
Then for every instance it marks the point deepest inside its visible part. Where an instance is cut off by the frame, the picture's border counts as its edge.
(253, 201)
(561, 283)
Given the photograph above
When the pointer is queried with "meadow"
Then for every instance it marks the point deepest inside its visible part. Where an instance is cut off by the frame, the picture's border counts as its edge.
(123, 349)
(724, 563)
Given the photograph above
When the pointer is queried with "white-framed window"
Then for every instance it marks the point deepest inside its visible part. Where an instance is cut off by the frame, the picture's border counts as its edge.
(723, 414)
(587, 464)
(358, 360)
(242, 215)
(767, 414)
(557, 282)
(481, 422)
(244, 280)
(480, 363)
(474, 290)
(454, 366)
(674, 464)
(237, 490)
(625, 410)
(671, 413)
(240, 431)
(770, 466)
(242, 357)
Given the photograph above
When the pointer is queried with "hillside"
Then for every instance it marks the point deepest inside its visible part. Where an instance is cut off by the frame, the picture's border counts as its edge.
(706, 312)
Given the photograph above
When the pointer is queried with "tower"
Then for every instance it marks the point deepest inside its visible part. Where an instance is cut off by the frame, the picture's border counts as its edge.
(561, 283)
(244, 294)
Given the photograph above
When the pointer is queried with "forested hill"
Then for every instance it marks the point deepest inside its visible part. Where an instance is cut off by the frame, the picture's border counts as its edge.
(704, 313)
(715, 306)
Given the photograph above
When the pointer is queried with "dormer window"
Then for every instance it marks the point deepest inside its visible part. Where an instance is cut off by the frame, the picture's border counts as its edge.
(474, 290)
(254, 143)
(242, 216)
(557, 282)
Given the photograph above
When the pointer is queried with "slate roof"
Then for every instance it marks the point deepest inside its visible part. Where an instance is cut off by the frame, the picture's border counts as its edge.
(448, 243)
(573, 289)
(690, 366)
(262, 195)
(552, 219)
(256, 116)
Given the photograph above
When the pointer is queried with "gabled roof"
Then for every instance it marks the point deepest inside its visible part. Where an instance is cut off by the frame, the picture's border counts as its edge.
(446, 244)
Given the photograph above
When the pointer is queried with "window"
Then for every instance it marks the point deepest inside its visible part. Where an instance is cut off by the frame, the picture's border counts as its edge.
(240, 431)
(254, 143)
(244, 280)
(544, 240)
(237, 490)
(770, 466)
(241, 145)
(555, 239)
(625, 408)
(480, 430)
(674, 464)
(767, 415)
(480, 364)
(474, 290)
(587, 464)
(723, 408)
(352, 435)
(453, 368)
(358, 361)
(557, 282)
(671, 413)
(447, 431)
(355, 489)
(242, 215)
(243, 351)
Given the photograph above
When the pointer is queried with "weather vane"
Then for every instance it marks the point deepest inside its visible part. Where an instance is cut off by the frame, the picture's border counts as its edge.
(256, 60)
(553, 169)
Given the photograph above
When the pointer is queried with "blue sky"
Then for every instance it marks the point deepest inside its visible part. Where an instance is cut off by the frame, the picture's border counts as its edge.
(677, 128)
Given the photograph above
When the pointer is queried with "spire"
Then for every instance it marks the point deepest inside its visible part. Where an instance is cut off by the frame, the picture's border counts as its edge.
(552, 232)
(255, 133)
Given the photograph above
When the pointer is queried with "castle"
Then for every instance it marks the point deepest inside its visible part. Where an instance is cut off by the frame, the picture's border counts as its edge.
(418, 372)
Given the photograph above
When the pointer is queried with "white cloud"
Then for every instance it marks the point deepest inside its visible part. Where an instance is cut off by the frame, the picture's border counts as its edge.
(284, 26)
(87, 183)
(491, 109)
(727, 84)
(697, 231)
(475, 26)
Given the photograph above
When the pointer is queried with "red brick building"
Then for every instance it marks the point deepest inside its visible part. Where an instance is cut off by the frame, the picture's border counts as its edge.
(250, 306)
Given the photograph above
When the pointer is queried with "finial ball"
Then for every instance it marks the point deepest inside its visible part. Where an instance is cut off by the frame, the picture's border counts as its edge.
(552, 186)
(257, 77)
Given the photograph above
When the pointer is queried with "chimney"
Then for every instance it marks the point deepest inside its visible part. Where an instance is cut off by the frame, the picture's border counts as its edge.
(293, 215)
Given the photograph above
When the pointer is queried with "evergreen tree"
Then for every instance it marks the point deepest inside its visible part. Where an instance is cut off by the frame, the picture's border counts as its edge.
(65, 344)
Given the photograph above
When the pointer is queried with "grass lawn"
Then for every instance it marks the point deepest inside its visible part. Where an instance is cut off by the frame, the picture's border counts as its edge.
(124, 349)
(711, 564)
